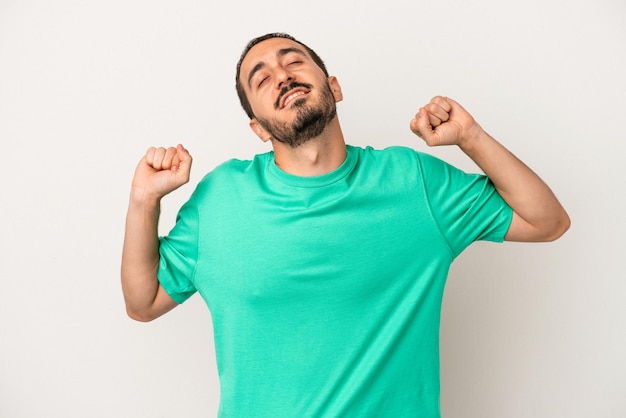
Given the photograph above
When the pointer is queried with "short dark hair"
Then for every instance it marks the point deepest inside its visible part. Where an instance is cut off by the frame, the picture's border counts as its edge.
(243, 99)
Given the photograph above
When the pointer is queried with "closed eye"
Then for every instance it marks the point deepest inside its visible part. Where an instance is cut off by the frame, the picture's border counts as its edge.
(263, 80)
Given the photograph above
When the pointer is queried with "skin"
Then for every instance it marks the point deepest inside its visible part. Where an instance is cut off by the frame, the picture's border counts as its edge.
(159, 172)
(266, 70)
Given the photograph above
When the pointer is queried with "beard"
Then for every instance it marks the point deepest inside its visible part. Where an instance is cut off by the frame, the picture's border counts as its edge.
(310, 120)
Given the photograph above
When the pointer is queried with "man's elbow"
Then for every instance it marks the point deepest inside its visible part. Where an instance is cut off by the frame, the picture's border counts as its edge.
(146, 311)
(548, 230)
(140, 315)
(561, 226)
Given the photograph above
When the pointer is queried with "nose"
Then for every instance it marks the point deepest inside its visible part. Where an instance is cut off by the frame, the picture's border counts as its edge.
(283, 77)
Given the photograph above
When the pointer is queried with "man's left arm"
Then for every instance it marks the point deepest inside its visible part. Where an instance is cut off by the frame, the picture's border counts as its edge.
(537, 214)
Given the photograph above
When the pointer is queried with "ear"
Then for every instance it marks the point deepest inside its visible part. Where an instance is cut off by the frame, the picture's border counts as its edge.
(259, 130)
(335, 88)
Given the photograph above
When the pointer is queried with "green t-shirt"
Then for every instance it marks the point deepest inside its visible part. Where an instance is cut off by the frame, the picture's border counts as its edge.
(325, 292)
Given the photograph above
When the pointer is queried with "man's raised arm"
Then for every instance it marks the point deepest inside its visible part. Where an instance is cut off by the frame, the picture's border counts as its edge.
(537, 214)
(158, 173)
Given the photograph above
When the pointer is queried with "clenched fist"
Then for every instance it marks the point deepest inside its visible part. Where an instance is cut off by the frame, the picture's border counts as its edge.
(162, 170)
(444, 122)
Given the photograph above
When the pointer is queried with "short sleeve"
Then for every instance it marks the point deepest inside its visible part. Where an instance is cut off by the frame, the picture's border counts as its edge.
(179, 254)
(466, 207)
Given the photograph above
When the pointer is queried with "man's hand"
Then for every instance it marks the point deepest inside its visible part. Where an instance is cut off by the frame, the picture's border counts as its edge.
(444, 122)
(162, 170)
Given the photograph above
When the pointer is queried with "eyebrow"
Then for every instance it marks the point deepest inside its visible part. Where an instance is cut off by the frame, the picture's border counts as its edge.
(280, 53)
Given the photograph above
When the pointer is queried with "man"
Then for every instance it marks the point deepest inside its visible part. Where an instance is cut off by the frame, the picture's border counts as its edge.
(324, 264)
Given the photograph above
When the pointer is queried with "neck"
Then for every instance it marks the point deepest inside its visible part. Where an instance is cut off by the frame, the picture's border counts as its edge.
(316, 157)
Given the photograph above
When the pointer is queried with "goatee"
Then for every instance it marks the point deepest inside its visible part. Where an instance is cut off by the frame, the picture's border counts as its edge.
(310, 121)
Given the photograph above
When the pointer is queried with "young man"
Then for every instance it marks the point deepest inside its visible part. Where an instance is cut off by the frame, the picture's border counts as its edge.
(324, 264)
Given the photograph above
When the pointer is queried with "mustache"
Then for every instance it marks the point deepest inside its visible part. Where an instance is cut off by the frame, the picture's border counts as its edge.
(287, 89)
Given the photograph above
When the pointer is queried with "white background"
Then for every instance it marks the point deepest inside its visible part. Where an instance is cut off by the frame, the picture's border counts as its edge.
(529, 330)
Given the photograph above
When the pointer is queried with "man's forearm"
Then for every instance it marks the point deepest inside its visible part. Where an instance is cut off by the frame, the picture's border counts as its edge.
(529, 197)
(140, 255)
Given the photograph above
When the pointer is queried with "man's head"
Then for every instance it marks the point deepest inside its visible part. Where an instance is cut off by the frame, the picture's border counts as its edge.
(285, 89)
(243, 98)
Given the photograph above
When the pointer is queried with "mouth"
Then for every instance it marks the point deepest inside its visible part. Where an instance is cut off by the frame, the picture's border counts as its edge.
(291, 95)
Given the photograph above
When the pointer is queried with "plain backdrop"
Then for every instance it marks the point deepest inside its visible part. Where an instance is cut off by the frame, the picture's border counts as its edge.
(529, 330)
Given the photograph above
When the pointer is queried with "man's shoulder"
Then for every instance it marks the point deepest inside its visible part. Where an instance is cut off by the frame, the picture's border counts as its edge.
(395, 154)
(391, 151)
(400, 154)
(236, 167)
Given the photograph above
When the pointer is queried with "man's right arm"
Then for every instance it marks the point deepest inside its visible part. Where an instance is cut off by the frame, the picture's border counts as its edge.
(158, 173)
